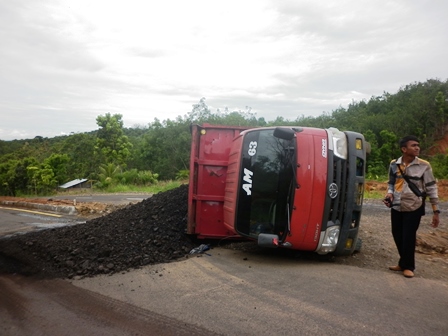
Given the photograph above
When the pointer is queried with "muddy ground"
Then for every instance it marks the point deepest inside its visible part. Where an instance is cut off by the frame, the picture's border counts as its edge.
(121, 238)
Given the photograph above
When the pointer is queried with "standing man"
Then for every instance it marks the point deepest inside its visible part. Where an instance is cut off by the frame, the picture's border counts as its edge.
(406, 207)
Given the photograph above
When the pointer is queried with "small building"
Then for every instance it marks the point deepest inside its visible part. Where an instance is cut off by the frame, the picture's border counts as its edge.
(77, 184)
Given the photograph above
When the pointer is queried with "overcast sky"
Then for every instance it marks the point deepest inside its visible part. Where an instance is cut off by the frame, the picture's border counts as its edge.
(64, 62)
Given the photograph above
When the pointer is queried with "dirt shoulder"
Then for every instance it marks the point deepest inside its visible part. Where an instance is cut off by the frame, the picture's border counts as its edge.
(81, 209)
(379, 251)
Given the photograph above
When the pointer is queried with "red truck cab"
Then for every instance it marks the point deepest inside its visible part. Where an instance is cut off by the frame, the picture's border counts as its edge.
(292, 187)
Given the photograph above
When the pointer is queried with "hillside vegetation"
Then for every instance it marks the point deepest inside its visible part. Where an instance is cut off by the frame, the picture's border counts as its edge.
(114, 155)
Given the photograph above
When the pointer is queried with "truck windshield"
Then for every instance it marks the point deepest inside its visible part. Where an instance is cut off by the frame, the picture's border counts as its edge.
(267, 184)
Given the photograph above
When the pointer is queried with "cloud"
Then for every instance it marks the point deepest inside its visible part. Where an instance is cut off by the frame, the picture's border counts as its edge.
(63, 63)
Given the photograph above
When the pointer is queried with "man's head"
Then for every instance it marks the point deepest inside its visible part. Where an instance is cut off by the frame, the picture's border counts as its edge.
(410, 145)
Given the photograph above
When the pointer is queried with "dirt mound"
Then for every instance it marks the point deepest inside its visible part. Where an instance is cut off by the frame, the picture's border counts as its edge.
(149, 232)
(440, 146)
(433, 242)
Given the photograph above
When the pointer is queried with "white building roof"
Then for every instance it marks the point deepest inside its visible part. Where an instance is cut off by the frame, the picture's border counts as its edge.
(72, 183)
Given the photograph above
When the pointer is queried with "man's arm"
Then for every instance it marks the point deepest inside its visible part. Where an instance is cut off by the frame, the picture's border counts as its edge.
(432, 192)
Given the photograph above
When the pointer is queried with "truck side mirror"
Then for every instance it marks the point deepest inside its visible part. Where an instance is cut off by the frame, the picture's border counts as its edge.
(284, 133)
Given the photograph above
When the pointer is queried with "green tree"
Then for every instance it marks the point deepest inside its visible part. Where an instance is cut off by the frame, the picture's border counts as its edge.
(167, 147)
(80, 149)
(8, 178)
(14, 176)
(42, 178)
(58, 164)
(108, 175)
(164, 146)
(389, 148)
(441, 113)
(375, 167)
(200, 112)
(111, 143)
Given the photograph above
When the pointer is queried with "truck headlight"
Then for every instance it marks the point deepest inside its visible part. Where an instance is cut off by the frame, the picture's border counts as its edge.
(339, 142)
(330, 240)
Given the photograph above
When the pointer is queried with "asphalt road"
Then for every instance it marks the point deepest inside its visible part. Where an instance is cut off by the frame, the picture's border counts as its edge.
(17, 221)
(235, 292)
(230, 292)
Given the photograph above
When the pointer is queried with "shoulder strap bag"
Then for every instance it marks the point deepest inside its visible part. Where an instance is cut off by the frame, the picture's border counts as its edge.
(411, 185)
(415, 190)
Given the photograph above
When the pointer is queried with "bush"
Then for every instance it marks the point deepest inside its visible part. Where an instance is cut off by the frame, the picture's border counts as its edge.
(135, 177)
(183, 174)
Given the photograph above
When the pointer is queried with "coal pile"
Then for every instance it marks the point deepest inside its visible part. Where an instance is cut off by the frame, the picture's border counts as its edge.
(149, 232)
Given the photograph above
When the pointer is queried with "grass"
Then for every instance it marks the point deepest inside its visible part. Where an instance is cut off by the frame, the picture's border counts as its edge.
(160, 186)
(377, 189)
(152, 189)
(374, 194)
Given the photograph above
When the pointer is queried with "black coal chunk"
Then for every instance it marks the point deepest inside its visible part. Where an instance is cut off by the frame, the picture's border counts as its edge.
(149, 232)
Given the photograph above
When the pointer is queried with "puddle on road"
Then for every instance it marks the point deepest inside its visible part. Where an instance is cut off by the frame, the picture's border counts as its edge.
(54, 225)
(39, 223)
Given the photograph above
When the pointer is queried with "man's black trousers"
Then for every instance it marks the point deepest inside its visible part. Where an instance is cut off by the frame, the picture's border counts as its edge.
(404, 231)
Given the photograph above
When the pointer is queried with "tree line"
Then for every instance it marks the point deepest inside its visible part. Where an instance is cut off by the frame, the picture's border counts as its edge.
(141, 156)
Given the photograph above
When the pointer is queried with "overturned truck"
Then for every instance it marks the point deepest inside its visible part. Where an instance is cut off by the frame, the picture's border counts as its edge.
(292, 187)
